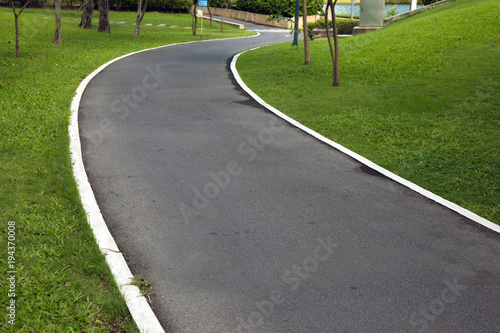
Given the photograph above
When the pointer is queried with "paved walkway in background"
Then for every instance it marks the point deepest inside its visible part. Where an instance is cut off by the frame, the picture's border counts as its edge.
(259, 29)
(245, 224)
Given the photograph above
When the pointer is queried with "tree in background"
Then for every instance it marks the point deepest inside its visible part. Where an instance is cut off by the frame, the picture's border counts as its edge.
(140, 15)
(209, 12)
(87, 12)
(103, 16)
(226, 4)
(194, 20)
(57, 11)
(16, 20)
(334, 50)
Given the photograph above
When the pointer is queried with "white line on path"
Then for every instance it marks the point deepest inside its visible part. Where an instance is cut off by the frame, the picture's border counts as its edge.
(460, 210)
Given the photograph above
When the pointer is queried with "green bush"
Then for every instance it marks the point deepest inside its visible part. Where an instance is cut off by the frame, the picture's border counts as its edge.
(348, 16)
(284, 8)
(428, 2)
(344, 27)
(31, 4)
(403, 2)
(153, 5)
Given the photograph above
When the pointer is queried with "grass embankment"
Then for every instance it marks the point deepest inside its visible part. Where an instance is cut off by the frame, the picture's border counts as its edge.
(62, 283)
(419, 97)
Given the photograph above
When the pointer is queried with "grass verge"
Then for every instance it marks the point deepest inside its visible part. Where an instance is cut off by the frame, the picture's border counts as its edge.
(61, 282)
(419, 97)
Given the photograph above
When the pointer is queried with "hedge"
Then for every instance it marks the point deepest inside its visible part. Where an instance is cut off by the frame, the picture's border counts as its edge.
(153, 5)
(284, 8)
(344, 26)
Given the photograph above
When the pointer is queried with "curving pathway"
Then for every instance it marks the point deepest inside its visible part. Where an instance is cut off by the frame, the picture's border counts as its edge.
(244, 223)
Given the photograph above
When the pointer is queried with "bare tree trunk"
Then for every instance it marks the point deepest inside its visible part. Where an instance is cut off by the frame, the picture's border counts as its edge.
(209, 12)
(307, 57)
(336, 70)
(320, 8)
(138, 19)
(16, 18)
(87, 13)
(334, 49)
(140, 15)
(16, 22)
(103, 16)
(57, 10)
(194, 22)
(332, 54)
(221, 16)
(194, 19)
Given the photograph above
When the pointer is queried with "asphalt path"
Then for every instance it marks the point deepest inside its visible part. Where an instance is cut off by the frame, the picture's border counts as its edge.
(243, 223)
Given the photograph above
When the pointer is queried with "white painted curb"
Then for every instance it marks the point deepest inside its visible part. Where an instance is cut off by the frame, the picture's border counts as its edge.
(460, 210)
(139, 308)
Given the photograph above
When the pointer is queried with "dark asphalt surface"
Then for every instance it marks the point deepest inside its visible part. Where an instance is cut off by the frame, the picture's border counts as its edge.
(245, 224)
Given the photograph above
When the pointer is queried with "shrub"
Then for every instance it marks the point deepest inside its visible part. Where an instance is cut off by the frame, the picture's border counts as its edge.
(284, 8)
(32, 3)
(391, 12)
(344, 27)
(348, 16)
(153, 5)
(428, 2)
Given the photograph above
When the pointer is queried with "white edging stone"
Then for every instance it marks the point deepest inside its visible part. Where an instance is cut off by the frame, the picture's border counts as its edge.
(460, 210)
(139, 308)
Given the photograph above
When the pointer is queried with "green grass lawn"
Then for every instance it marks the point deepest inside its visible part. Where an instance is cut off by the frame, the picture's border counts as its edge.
(62, 282)
(419, 97)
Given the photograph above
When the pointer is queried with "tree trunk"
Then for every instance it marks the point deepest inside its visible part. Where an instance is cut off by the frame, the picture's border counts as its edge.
(334, 49)
(296, 25)
(221, 16)
(209, 12)
(307, 57)
(16, 18)
(140, 15)
(194, 19)
(16, 23)
(194, 22)
(103, 16)
(138, 19)
(320, 8)
(57, 10)
(336, 70)
(87, 13)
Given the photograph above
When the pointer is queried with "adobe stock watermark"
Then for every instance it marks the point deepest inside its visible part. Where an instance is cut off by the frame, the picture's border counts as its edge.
(421, 319)
(218, 181)
(11, 273)
(293, 279)
(122, 106)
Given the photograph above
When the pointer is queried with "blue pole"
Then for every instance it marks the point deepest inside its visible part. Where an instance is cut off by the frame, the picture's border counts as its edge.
(296, 26)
